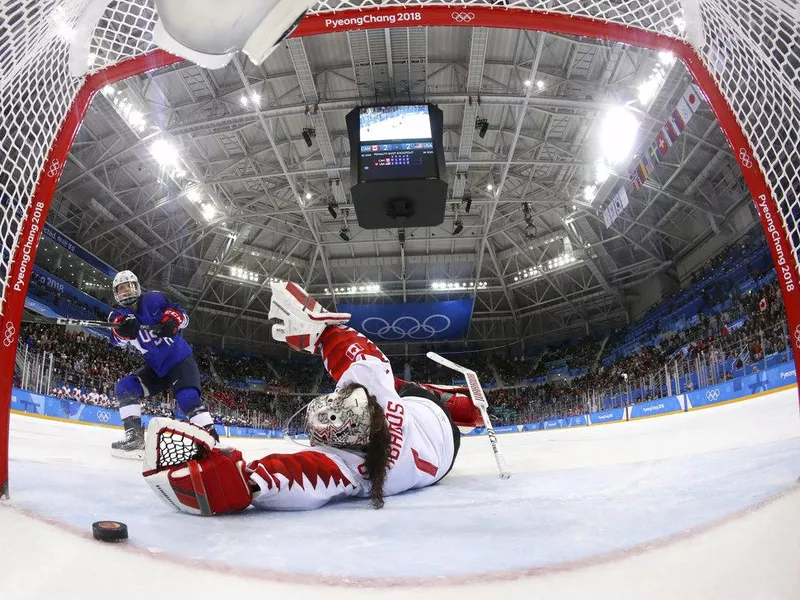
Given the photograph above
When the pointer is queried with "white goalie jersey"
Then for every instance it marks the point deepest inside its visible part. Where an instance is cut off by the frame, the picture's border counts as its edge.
(422, 444)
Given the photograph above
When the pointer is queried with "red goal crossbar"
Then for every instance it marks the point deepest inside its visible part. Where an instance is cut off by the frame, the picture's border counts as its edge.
(34, 208)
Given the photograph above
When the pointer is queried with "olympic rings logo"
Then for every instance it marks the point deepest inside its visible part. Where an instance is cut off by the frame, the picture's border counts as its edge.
(462, 17)
(712, 395)
(744, 157)
(53, 167)
(103, 416)
(797, 336)
(9, 334)
(406, 327)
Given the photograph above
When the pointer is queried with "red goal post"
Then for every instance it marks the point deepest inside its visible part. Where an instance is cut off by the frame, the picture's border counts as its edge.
(744, 55)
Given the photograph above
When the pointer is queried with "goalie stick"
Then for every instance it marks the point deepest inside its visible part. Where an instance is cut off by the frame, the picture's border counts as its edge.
(479, 400)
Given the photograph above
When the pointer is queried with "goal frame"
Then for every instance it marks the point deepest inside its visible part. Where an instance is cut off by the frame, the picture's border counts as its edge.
(392, 16)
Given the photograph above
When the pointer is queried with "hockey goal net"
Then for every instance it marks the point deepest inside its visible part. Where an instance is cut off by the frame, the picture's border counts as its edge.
(744, 54)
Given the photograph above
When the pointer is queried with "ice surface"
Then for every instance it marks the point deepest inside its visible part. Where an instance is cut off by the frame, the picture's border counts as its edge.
(598, 496)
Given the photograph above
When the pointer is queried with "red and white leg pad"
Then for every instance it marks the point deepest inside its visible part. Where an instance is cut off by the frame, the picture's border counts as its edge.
(301, 319)
(189, 471)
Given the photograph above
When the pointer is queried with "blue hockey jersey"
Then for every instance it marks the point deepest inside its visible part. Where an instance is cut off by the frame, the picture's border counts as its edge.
(160, 354)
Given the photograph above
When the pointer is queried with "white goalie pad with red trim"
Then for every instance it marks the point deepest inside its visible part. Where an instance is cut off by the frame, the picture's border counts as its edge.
(301, 319)
(188, 470)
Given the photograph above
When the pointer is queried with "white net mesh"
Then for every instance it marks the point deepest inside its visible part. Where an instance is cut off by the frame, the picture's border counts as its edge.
(753, 51)
(176, 448)
(750, 47)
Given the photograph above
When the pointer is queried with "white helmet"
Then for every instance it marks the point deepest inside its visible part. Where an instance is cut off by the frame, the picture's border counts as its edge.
(340, 419)
(126, 288)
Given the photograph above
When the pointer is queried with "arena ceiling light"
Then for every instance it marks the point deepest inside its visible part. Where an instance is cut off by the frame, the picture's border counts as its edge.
(193, 194)
(618, 132)
(362, 288)
(254, 99)
(451, 286)
(132, 116)
(561, 261)
(244, 274)
(209, 211)
(529, 273)
(165, 154)
(601, 172)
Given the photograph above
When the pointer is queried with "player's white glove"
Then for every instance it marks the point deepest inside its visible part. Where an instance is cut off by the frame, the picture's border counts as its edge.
(301, 319)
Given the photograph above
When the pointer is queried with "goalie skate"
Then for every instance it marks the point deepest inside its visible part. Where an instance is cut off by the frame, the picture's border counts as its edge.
(132, 447)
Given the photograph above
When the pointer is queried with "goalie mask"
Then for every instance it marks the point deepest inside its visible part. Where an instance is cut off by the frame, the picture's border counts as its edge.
(340, 419)
(126, 288)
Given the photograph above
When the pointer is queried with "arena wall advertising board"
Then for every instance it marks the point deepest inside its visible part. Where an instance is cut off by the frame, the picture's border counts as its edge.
(778, 377)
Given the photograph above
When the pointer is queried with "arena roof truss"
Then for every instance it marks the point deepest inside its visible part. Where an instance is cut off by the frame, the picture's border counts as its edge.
(248, 200)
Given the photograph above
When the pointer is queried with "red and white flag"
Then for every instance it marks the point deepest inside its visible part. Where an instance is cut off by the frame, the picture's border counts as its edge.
(763, 304)
(692, 98)
(662, 143)
(682, 114)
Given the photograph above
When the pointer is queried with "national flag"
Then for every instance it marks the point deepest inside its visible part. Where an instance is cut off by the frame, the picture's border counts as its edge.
(648, 164)
(636, 180)
(654, 157)
(763, 304)
(681, 115)
(623, 197)
(663, 144)
(672, 134)
(692, 98)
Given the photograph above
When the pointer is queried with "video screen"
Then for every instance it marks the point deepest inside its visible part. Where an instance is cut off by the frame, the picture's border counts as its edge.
(396, 142)
(380, 123)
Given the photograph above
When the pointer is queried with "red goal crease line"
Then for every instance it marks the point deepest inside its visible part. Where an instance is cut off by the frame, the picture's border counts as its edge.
(382, 18)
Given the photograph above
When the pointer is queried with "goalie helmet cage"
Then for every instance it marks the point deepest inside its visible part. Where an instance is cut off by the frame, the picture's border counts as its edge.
(744, 55)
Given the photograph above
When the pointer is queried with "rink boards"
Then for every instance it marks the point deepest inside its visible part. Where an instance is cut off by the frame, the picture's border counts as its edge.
(750, 386)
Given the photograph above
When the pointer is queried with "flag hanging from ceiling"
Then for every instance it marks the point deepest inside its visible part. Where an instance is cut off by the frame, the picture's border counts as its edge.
(666, 137)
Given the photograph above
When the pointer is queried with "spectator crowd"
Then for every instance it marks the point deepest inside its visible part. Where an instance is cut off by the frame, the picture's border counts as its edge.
(246, 389)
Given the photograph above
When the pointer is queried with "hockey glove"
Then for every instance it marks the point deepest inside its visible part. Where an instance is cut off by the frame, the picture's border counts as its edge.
(301, 319)
(128, 328)
(189, 471)
(170, 323)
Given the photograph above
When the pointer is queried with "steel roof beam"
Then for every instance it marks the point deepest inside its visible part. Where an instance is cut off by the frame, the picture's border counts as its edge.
(297, 194)
(521, 114)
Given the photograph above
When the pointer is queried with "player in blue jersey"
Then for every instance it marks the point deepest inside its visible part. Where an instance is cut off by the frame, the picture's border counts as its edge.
(168, 358)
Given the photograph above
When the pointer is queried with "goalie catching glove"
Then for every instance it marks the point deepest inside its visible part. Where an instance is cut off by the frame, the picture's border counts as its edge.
(301, 319)
(189, 471)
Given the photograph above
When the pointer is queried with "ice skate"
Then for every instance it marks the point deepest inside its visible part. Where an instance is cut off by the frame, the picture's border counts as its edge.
(131, 447)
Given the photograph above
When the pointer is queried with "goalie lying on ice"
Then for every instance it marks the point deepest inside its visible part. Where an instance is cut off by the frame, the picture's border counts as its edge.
(374, 436)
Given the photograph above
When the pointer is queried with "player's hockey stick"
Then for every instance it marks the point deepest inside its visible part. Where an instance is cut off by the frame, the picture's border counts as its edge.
(479, 400)
(80, 323)
(84, 323)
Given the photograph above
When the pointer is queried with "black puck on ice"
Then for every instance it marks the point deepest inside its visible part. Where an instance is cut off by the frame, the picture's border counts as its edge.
(110, 531)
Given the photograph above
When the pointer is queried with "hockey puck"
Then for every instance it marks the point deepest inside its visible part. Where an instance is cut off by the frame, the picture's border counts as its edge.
(110, 531)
